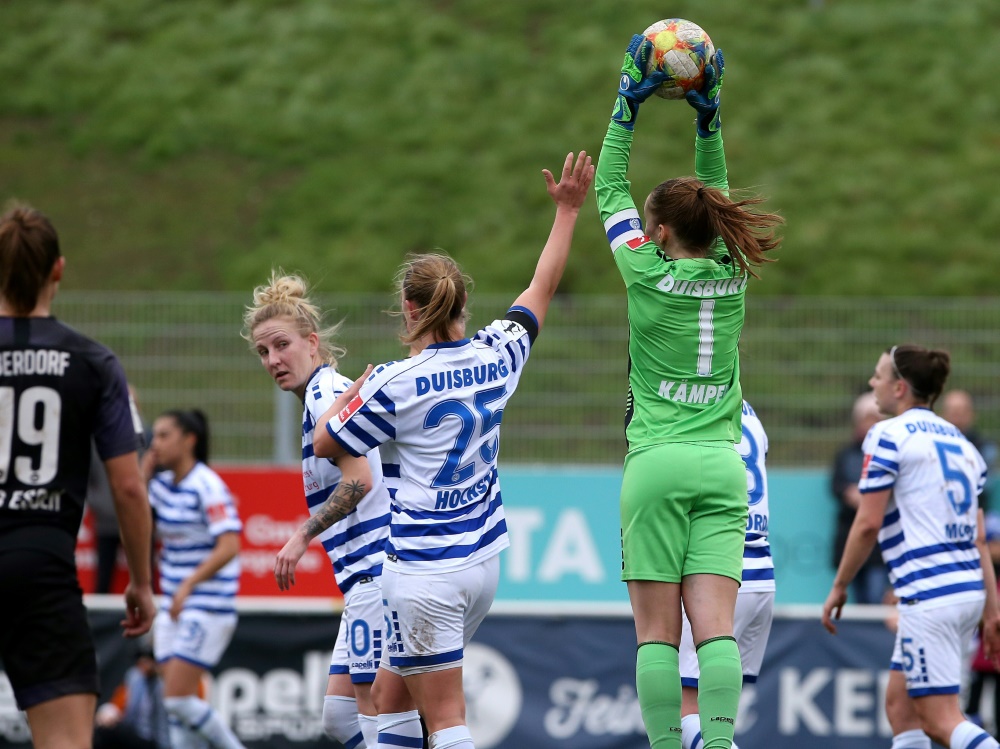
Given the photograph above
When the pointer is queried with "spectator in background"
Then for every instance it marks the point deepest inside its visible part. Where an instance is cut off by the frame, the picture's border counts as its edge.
(135, 717)
(957, 407)
(871, 582)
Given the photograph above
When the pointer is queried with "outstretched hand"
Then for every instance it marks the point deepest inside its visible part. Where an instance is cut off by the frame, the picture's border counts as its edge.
(574, 183)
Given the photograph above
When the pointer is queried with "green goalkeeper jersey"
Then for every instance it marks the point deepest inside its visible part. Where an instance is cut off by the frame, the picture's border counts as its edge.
(685, 315)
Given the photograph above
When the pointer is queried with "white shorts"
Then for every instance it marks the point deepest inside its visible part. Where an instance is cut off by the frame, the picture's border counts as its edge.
(199, 637)
(931, 645)
(751, 626)
(359, 641)
(431, 618)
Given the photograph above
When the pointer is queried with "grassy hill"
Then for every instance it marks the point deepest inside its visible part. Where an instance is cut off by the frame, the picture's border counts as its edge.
(193, 144)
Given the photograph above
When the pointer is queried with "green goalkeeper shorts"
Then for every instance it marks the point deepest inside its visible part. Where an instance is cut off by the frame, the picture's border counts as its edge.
(683, 512)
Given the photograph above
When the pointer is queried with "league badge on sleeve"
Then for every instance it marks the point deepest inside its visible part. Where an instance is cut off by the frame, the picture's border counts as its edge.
(350, 408)
(864, 467)
(216, 513)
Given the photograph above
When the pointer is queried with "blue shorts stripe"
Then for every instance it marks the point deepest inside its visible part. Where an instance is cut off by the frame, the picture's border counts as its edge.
(930, 691)
(354, 741)
(394, 739)
(415, 661)
(339, 670)
(687, 681)
(186, 659)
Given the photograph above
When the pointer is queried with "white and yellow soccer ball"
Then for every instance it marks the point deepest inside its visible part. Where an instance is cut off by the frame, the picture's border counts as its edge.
(681, 49)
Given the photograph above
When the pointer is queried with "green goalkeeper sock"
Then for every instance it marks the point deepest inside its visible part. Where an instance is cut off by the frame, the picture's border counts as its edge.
(658, 683)
(719, 688)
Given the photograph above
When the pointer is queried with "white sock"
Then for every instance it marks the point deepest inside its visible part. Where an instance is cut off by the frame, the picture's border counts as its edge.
(369, 729)
(968, 735)
(198, 716)
(691, 732)
(180, 736)
(456, 737)
(396, 730)
(340, 721)
(915, 739)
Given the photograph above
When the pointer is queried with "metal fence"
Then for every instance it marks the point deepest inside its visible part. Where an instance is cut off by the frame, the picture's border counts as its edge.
(804, 360)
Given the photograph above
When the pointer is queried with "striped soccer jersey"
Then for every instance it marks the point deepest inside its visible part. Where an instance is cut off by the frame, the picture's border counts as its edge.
(442, 410)
(189, 517)
(355, 544)
(928, 534)
(758, 566)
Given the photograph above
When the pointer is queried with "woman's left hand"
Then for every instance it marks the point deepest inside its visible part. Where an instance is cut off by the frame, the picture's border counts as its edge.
(832, 608)
(288, 557)
(177, 602)
(574, 183)
(990, 633)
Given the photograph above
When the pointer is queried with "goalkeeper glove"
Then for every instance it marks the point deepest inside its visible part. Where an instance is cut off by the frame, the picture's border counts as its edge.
(706, 100)
(635, 85)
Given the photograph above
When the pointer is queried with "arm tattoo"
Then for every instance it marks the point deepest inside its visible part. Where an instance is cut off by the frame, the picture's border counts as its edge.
(339, 505)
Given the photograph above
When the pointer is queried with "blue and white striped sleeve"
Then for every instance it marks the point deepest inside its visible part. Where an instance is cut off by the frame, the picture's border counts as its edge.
(220, 510)
(983, 474)
(881, 464)
(368, 421)
(511, 337)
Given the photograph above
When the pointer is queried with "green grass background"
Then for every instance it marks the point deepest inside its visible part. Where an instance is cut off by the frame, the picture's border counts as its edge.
(193, 144)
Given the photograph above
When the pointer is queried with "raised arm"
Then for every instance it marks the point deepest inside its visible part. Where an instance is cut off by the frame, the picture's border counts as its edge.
(709, 156)
(622, 222)
(568, 193)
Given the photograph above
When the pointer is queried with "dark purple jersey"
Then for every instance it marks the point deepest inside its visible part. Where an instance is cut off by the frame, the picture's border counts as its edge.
(59, 390)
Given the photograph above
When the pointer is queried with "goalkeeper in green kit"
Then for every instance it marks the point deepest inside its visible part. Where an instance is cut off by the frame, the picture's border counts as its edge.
(683, 497)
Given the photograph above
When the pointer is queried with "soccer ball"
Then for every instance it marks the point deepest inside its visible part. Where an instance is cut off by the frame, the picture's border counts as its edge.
(681, 49)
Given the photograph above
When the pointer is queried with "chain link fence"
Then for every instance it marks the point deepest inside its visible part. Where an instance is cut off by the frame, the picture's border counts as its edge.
(804, 360)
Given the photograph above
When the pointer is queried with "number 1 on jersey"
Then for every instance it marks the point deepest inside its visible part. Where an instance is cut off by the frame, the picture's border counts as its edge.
(706, 337)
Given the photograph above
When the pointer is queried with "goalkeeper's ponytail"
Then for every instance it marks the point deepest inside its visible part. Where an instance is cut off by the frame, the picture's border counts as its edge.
(698, 215)
(437, 287)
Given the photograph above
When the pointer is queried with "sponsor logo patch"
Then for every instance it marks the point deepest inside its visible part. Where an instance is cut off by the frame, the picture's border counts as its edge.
(351, 407)
(864, 467)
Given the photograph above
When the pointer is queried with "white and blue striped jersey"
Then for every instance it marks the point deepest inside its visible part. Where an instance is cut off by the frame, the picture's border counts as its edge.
(442, 411)
(189, 517)
(356, 543)
(758, 566)
(928, 535)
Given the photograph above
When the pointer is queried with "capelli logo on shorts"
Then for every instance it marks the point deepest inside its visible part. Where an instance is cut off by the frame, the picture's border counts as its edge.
(351, 407)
